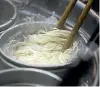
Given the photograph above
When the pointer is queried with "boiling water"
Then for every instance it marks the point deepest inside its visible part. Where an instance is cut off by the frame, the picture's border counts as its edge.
(55, 59)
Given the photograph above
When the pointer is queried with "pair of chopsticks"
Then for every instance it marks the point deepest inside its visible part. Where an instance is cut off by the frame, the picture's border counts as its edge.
(78, 24)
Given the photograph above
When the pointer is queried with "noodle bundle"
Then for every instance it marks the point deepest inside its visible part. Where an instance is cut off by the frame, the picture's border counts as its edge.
(45, 48)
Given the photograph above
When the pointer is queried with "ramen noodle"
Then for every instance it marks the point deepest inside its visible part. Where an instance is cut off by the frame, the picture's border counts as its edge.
(45, 48)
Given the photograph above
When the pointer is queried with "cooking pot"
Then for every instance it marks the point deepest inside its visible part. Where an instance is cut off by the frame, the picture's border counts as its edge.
(45, 8)
(8, 14)
(28, 77)
(91, 78)
(16, 33)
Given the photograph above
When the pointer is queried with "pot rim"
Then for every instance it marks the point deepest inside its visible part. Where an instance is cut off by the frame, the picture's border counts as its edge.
(92, 12)
(19, 63)
(96, 68)
(32, 70)
(13, 17)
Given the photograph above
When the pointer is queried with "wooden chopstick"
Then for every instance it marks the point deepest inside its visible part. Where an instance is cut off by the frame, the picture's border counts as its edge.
(77, 26)
(66, 13)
